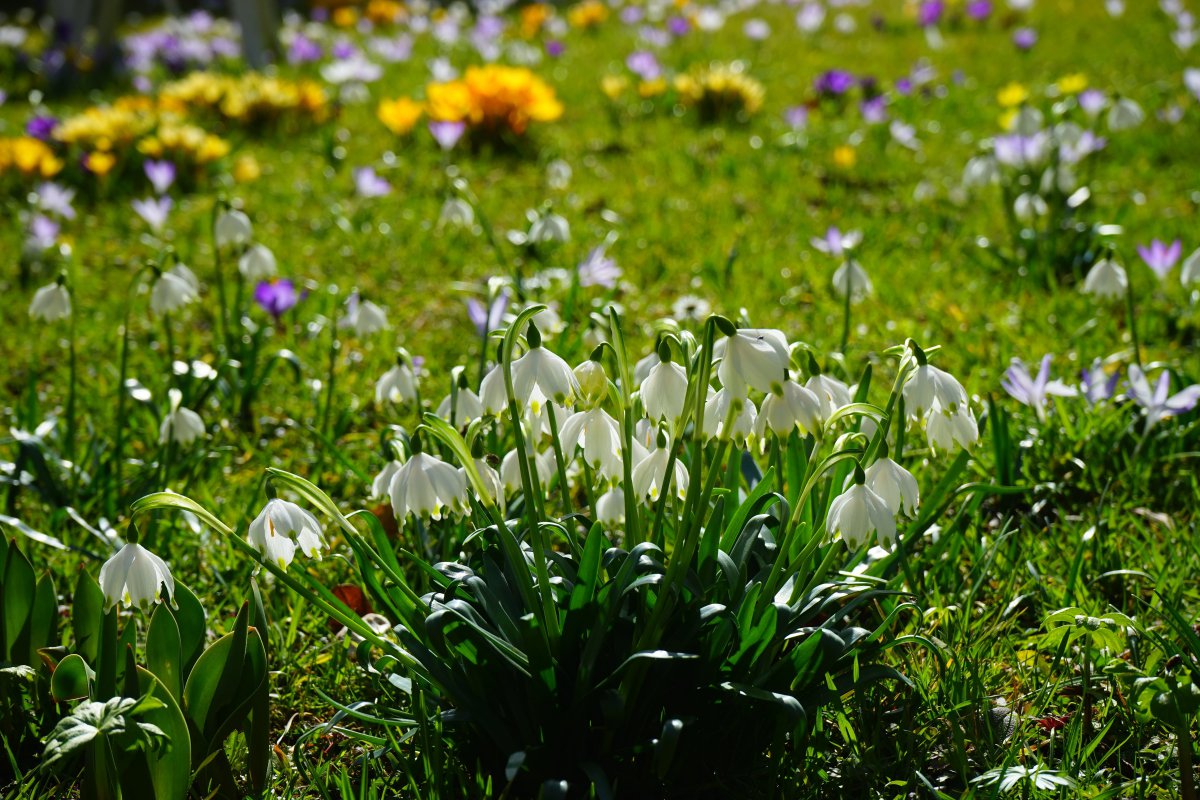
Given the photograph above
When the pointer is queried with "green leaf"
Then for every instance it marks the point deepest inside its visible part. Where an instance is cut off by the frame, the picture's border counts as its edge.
(87, 617)
(71, 679)
(164, 653)
(170, 768)
(19, 588)
(193, 626)
(44, 620)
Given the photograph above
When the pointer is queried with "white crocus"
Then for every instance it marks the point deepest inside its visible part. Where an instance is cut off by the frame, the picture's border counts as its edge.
(135, 577)
(257, 264)
(610, 509)
(832, 393)
(233, 229)
(927, 386)
(272, 531)
(664, 392)
(850, 275)
(1106, 279)
(599, 436)
(397, 385)
(754, 357)
(541, 369)
(51, 303)
(180, 425)
(1125, 114)
(173, 290)
(792, 407)
(895, 485)
(716, 410)
(857, 513)
(650, 474)
(427, 487)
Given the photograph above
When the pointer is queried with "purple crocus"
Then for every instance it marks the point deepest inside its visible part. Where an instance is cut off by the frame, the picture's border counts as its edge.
(796, 117)
(276, 296)
(303, 50)
(43, 232)
(836, 243)
(632, 15)
(834, 82)
(598, 269)
(555, 48)
(368, 183)
(154, 210)
(344, 50)
(678, 26)
(491, 318)
(930, 13)
(644, 64)
(1034, 391)
(874, 110)
(979, 9)
(1159, 402)
(447, 133)
(41, 127)
(1097, 385)
(1161, 257)
(1025, 38)
(161, 175)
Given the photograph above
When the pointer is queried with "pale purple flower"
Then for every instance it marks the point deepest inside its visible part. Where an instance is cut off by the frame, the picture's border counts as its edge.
(678, 26)
(644, 64)
(874, 110)
(598, 269)
(54, 198)
(1034, 391)
(392, 50)
(154, 210)
(834, 82)
(276, 296)
(836, 243)
(654, 37)
(368, 183)
(930, 12)
(756, 30)
(632, 15)
(1092, 101)
(904, 87)
(1097, 385)
(1025, 38)
(446, 133)
(555, 48)
(491, 318)
(1159, 402)
(303, 50)
(343, 50)
(1161, 257)
(161, 174)
(796, 117)
(43, 232)
(1015, 150)
(810, 17)
(1086, 144)
(979, 9)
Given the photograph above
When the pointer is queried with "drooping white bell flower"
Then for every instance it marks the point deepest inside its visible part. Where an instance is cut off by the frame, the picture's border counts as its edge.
(927, 386)
(980, 171)
(466, 407)
(492, 394)
(641, 370)
(257, 264)
(510, 468)
(831, 392)
(664, 392)
(851, 276)
(600, 437)
(382, 481)
(610, 509)
(427, 487)
(491, 480)
(51, 303)
(537, 416)
(549, 228)
(754, 357)
(541, 369)
(1124, 114)
(1029, 206)
(272, 531)
(363, 316)
(233, 229)
(1190, 273)
(857, 513)
(397, 385)
(945, 428)
(650, 474)
(456, 212)
(895, 485)
(1106, 280)
(135, 577)
(792, 407)
(173, 290)
(717, 409)
(180, 425)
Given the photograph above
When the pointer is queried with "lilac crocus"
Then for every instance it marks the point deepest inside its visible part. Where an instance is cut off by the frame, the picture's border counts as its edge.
(161, 175)
(43, 232)
(154, 210)
(930, 13)
(41, 127)
(1034, 391)
(276, 296)
(979, 9)
(632, 15)
(678, 26)
(1025, 38)
(598, 269)
(303, 50)
(834, 82)
(796, 117)
(447, 134)
(836, 243)
(1092, 101)
(54, 198)
(1161, 257)
(756, 30)
(1159, 402)
(644, 64)
(491, 318)
(368, 183)
(555, 48)
(874, 110)
(1098, 385)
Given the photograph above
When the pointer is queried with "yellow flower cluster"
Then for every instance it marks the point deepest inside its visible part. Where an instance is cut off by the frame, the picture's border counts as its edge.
(400, 115)
(494, 99)
(720, 90)
(533, 17)
(183, 142)
(588, 14)
(249, 99)
(384, 12)
(107, 128)
(29, 157)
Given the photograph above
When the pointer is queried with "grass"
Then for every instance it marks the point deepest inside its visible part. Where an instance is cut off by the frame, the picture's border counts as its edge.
(724, 212)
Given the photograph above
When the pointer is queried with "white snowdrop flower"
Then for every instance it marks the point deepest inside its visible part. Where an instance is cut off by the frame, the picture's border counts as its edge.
(857, 513)
(457, 213)
(51, 303)
(717, 409)
(709, 19)
(257, 264)
(1028, 121)
(980, 171)
(1106, 280)
(599, 436)
(537, 415)
(272, 531)
(180, 425)
(135, 577)
(754, 357)
(510, 468)
(171, 291)
(926, 386)
(379, 486)
(850, 275)
(832, 393)
(398, 384)
(233, 229)
(491, 481)
(641, 370)
(651, 472)
(493, 397)
(541, 369)
(593, 382)
(427, 487)
(664, 392)
(792, 407)
(610, 509)
(467, 407)
(895, 485)
(558, 174)
(1190, 273)
(944, 428)
(549, 228)
(1124, 114)
(1029, 206)
(690, 308)
(364, 316)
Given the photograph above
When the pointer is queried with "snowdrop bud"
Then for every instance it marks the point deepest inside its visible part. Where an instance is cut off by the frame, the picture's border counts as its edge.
(257, 264)
(233, 229)
(858, 512)
(272, 530)
(427, 487)
(180, 425)
(593, 382)
(1125, 114)
(135, 577)
(51, 303)
(610, 509)
(894, 484)
(753, 357)
(664, 391)
(1105, 280)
